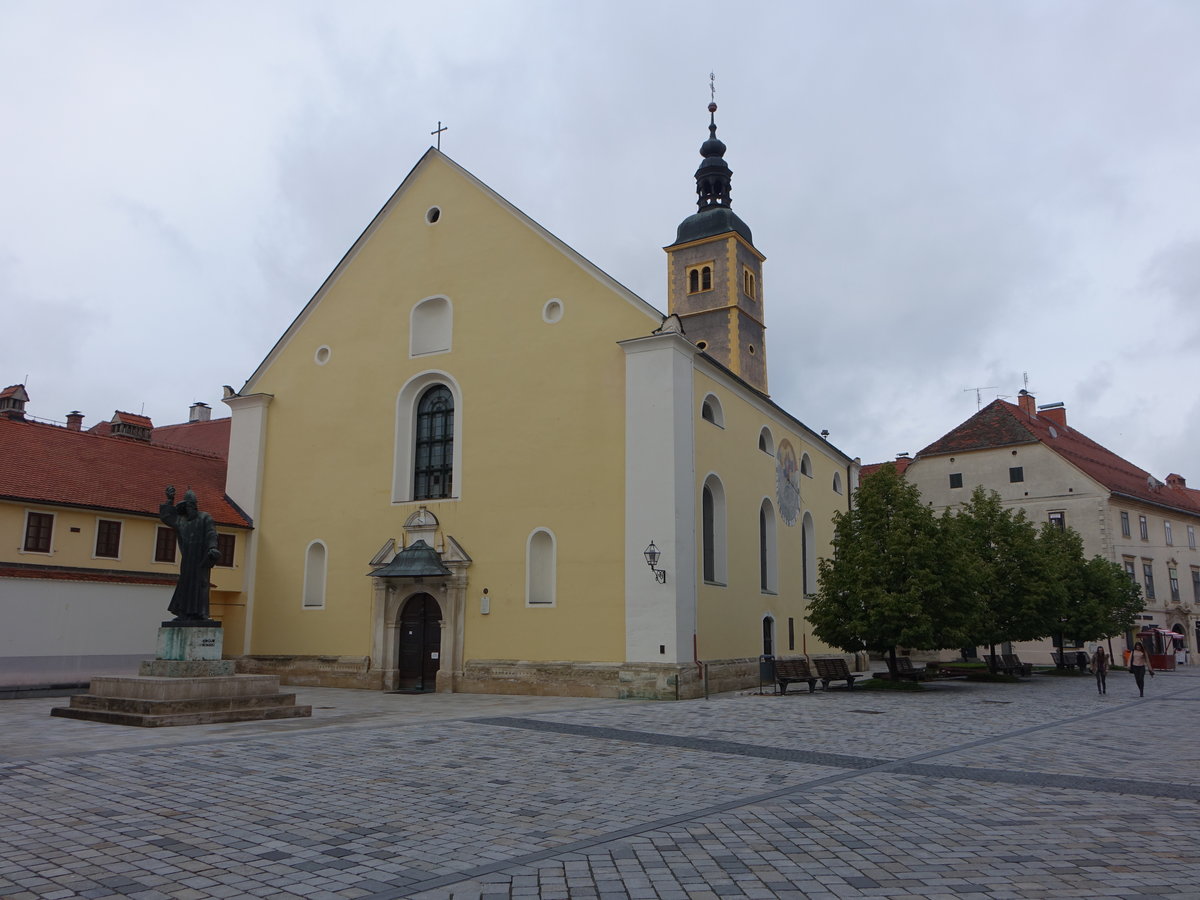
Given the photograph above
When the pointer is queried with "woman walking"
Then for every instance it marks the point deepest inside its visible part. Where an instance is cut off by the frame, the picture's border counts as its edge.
(1100, 667)
(1139, 663)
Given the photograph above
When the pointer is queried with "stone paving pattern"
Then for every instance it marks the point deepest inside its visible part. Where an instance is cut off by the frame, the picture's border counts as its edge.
(1037, 789)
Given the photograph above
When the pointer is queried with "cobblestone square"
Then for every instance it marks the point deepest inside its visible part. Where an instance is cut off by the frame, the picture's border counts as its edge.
(1037, 789)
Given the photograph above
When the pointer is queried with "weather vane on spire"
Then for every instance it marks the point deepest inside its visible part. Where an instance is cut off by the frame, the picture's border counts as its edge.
(712, 85)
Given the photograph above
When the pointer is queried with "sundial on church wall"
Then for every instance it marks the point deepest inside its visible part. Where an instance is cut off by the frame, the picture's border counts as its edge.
(787, 482)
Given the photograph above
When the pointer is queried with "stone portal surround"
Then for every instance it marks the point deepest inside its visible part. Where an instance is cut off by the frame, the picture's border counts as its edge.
(970, 789)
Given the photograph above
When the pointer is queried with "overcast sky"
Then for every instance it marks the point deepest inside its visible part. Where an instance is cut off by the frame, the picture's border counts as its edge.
(949, 194)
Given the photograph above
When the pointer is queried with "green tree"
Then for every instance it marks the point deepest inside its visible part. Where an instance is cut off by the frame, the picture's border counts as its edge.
(1007, 583)
(1089, 599)
(896, 576)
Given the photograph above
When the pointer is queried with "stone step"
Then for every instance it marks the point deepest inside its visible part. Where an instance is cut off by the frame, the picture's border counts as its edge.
(193, 718)
(143, 707)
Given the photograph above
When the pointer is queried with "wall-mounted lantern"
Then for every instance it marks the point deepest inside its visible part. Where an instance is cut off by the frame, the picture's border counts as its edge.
(652, 555)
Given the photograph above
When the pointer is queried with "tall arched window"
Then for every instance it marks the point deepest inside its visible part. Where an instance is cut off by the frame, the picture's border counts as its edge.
(706, 278)
(768, 635)
(314, 576)
(808, 552)
(693, 281)
(767, 562)
(433, 447)
(712, 529)
(540, 569)
(806, 466)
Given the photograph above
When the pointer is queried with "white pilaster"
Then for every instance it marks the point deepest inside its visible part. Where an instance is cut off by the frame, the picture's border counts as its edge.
(660, 498)
(244, 478)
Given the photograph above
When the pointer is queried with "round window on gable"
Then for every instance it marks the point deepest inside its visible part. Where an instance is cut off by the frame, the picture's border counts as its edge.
(322, 355)
(432, 215)
(552, 312)
(751, 349)
(701, 345)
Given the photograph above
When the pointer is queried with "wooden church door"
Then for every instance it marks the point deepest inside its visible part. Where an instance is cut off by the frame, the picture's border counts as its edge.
(418, 656)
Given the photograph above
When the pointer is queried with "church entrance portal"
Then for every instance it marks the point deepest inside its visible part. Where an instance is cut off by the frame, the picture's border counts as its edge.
(418, 655)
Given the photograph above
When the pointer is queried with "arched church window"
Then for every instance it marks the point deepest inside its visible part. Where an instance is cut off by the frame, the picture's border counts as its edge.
(712, 530)
(433, 448)
(767, 550)
(808, 551)
(806, 466)
(706, 278)
(693, 281)
(710, 411)
(766, 443)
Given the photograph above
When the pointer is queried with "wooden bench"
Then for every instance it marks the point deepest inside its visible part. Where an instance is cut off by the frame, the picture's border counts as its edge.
(904, 669)
(1016, 667)
(1070, 659)
(834, 669)
(789, 670)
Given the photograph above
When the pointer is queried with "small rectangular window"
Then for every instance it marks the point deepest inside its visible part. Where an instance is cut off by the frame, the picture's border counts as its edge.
(1059, 520)
(956, 479)
(1196, 585)
(39, 527)
(1144, 528)
(1173, 575)
(1015, 474)
(1131, 570)
(164, 545)
(1167, 534)
(1148, 578)
(791, 633)
(1125, 524)
(225, 546)
(108, 538)
(1191, 537)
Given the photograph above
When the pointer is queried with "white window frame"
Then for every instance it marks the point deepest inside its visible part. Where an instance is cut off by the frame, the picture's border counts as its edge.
(406, 429)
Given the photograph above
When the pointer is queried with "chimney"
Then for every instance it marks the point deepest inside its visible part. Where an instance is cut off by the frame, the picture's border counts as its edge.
(75, 420)
(1055, 412)
(1026, 401)
(199, 412)
(1176, 481)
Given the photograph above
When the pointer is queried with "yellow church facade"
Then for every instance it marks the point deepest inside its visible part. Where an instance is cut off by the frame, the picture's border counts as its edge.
(459, 453)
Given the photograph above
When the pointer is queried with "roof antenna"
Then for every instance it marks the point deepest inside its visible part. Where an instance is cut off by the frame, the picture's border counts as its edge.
(979, 395)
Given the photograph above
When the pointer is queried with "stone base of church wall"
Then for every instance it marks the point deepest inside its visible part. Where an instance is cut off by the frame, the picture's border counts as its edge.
(624, 681)
(315, 671)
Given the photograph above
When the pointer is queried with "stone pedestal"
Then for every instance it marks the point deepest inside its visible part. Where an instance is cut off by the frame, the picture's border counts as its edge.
(188, 684)
(151, 701)
(190, 641)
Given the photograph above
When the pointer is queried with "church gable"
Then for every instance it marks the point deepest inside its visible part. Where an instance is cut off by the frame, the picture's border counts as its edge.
(444, 239)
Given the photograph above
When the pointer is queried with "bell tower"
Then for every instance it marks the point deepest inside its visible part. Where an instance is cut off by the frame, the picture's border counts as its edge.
(714, 272)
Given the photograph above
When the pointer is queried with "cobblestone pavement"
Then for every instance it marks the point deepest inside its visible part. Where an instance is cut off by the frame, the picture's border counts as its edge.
(1037, 789)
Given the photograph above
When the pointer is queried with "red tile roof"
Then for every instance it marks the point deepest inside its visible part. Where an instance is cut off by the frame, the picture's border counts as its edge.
(206, 437)
(14, 390)
(900, 462)
(1003, 424)
(47, 464)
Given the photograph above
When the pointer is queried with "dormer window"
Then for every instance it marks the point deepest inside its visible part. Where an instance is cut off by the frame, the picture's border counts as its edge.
(700, 278)
(12, 401)
(131, 426)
